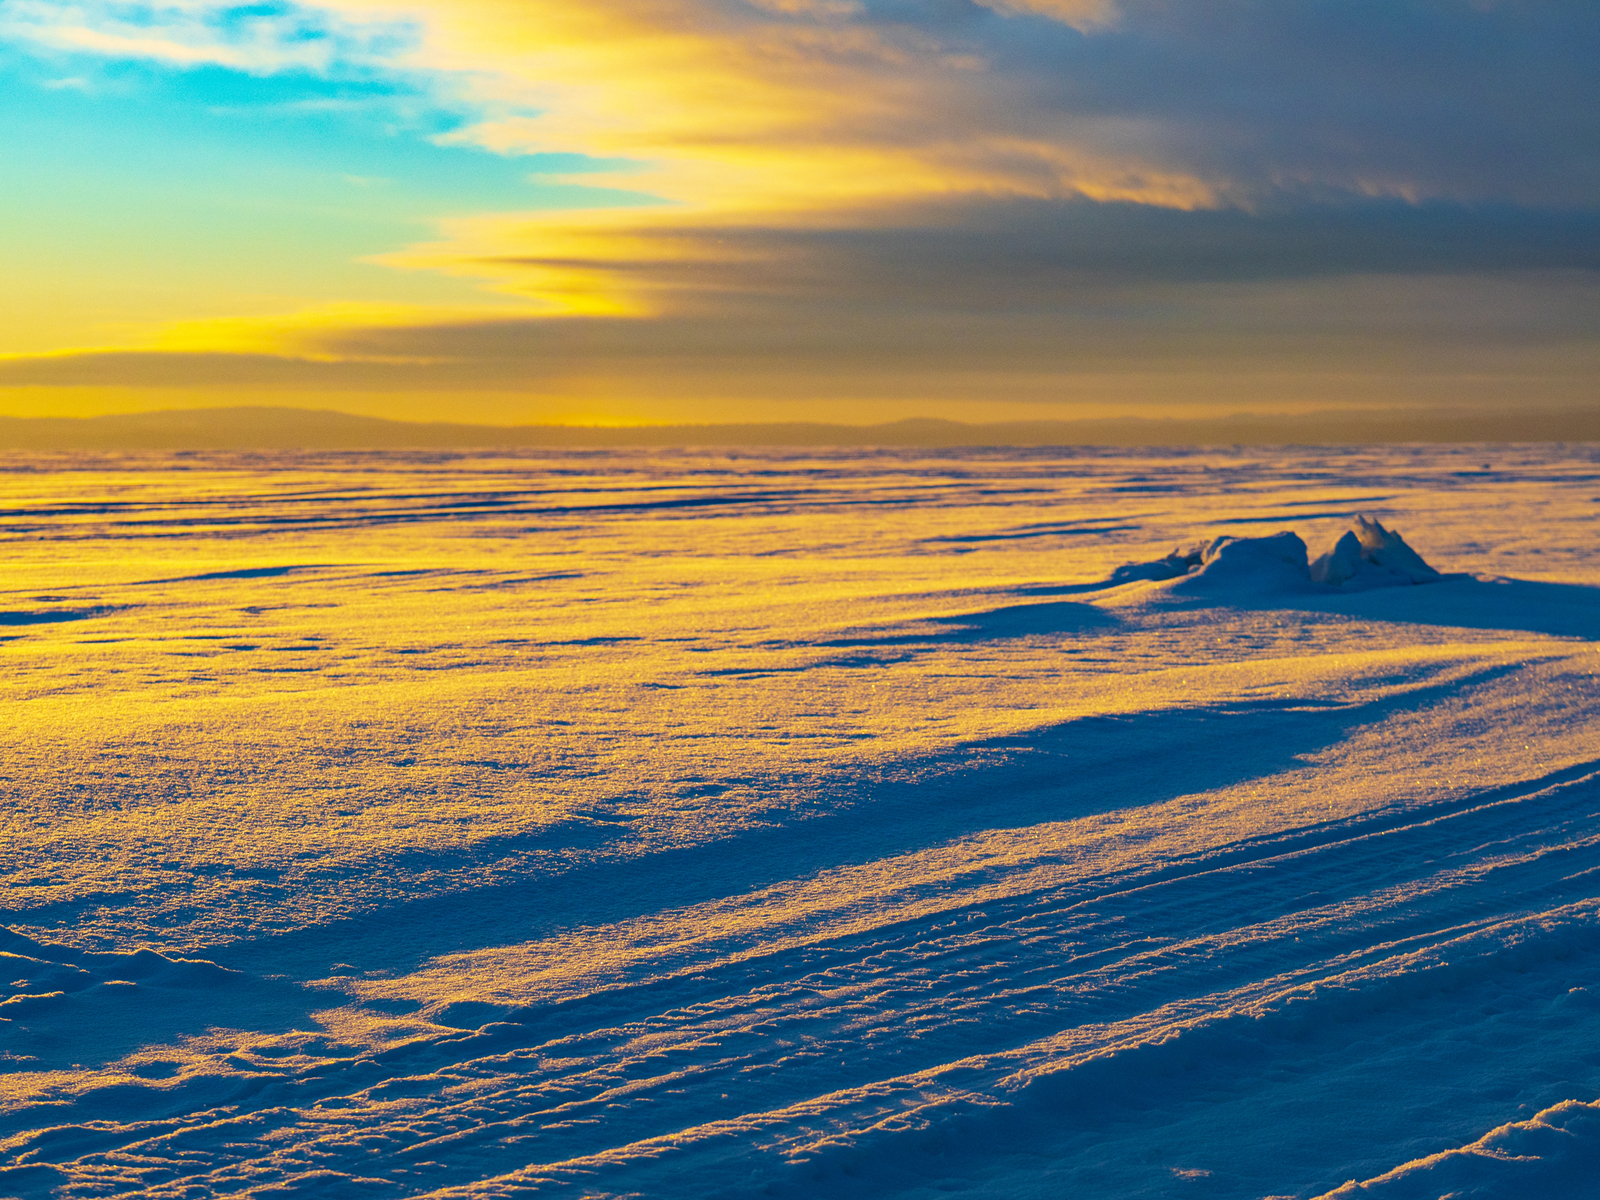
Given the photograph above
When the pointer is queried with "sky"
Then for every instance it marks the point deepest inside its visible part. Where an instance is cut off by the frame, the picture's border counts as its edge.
(636, 211)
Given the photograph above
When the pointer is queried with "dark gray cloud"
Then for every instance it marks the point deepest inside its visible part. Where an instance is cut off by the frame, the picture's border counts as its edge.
(1292, 99)
(1009, 254)
(1529, 338)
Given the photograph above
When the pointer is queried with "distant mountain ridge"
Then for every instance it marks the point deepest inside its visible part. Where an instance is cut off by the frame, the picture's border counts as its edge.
(283, 428)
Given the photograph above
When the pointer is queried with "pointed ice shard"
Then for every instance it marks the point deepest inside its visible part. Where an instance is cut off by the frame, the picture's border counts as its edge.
(1388, 549)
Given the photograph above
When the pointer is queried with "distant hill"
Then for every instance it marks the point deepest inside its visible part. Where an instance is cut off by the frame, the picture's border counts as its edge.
(267, 428)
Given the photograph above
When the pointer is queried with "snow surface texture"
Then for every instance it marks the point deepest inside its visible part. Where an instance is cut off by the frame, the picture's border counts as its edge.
(856, 824)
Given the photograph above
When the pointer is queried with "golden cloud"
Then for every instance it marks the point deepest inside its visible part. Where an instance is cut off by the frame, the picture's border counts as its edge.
(787, 114)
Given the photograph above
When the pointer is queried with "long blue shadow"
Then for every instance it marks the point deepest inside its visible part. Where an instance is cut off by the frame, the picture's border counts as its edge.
(583, 876)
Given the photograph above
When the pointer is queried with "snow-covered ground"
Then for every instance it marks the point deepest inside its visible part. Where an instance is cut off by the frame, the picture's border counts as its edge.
(823, 824)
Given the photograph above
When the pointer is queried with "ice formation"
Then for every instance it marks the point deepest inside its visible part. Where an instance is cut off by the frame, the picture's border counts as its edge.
(1369, 556)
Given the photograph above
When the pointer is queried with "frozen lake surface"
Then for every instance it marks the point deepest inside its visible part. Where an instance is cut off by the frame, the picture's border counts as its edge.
(798, 824)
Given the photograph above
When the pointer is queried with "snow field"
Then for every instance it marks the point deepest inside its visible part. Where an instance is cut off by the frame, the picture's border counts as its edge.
(649, 824)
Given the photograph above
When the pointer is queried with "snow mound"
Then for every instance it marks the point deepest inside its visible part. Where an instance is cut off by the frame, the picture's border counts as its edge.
(1555, 1156)
(1225, 559)
(1248, 566)
(1368, 556)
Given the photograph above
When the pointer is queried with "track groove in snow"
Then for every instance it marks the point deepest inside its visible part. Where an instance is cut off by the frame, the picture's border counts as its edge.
(1035, 986)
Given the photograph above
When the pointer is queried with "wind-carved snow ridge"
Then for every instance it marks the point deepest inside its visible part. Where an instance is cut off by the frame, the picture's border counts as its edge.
(1368, 556)
(36, 977)
(1555, 1156)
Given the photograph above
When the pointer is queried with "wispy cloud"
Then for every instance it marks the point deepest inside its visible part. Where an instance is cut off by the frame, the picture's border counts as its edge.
(255, 38)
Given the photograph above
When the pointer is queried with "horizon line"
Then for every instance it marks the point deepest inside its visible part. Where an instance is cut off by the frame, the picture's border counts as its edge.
(243, 427)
